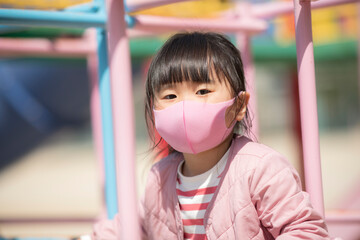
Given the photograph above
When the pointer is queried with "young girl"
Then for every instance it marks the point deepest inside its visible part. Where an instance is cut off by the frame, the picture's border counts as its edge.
(215, 183)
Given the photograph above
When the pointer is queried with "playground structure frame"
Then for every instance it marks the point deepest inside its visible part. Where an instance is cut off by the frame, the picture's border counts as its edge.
(108, 49)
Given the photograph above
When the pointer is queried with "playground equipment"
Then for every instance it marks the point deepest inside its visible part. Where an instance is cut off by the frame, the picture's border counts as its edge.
(114, 131)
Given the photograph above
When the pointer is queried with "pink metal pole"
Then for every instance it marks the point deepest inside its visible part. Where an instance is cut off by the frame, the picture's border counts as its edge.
(95, 106)
(344, 217)
(123, 119)
(273, 9)
(308, 105)
(358, 46)
(136, 33)
(244, 44)
(144, 22)
(47, 220)
(44, 47)
(331, 3)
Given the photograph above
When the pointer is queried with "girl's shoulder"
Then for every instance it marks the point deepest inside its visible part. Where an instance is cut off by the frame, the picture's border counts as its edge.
(166, 167)
(250, 155)
(259, 163)
(245, 146)
(168, 161)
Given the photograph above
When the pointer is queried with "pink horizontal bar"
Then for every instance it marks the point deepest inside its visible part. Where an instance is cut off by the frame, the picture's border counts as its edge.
(46, 220)
(331, 3)
(139, 33)
(273, 9)
(343, 217)
(144, 22)
(59, 47)
(132, 7)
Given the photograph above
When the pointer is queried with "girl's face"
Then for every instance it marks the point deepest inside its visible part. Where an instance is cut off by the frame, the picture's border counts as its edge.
(212, 92)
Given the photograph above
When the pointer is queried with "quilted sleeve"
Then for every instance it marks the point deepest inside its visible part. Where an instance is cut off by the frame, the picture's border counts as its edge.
(106, 229)
(109, 229)
(283, 208)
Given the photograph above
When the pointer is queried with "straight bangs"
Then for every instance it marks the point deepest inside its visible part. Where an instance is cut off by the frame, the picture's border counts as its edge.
(198, 58)
(180, 61)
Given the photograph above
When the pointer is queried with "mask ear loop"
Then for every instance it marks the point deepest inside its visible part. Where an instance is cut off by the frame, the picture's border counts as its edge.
(244, 125)
(238, 108)
(241, 93)
(238, 98)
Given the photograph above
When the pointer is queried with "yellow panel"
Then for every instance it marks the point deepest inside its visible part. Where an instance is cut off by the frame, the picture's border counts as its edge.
(202, 8)
(40, 4)
(349, 23)
(329, 25)
(335, 23)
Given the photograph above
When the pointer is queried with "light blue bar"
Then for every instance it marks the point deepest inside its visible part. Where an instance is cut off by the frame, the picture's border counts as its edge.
(33, 18)
(90, 7)
(130, 20)
(107, 126)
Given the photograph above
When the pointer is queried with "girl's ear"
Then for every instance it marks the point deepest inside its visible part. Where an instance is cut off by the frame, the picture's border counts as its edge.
(242, 102)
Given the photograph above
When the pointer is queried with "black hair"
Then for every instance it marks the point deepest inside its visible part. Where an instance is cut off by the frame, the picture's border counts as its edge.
(195, 57)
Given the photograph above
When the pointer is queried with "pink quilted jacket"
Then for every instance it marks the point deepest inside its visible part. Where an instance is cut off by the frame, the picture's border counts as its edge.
(259, 197)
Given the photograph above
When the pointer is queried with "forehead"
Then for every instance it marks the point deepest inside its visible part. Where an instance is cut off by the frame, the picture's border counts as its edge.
(167, 71)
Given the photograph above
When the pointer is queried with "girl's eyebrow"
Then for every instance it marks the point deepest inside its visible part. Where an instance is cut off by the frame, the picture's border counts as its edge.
(165, 86)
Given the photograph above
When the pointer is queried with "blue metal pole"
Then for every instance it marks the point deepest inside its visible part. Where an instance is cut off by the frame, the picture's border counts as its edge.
(90, 7)
(107, 125)
(32, 18)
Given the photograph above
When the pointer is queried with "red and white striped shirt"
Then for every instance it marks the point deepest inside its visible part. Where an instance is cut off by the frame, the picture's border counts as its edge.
(194, 194)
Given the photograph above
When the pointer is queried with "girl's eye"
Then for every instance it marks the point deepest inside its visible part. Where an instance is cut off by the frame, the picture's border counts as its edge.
(202, 92)
(170, 96)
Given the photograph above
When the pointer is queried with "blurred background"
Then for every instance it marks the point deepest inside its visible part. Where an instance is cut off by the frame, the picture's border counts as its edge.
(48, 164)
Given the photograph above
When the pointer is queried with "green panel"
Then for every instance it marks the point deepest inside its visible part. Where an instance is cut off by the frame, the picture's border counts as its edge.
(261, 51)
(145, 47)
(271, 51)
(336, 51)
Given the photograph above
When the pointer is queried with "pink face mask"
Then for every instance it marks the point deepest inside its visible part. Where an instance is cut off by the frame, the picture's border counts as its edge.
(192, 126)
